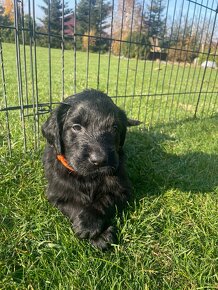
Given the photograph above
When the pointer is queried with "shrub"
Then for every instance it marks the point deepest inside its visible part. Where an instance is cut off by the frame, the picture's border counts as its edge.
(89, 41)
(116, 44)
(95, 44)
(184, 51)
(116, 48)
(138, 48)
(6, 34)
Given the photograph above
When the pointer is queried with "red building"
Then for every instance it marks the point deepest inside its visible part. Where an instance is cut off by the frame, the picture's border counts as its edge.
(69, 24)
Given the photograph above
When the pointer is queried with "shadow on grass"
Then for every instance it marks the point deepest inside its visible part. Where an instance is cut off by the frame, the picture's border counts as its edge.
(153, 170)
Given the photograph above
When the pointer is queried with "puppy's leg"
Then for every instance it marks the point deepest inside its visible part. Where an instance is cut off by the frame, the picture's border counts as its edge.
(89, 223)
(105, 239)
(95, 222)
(95, 227)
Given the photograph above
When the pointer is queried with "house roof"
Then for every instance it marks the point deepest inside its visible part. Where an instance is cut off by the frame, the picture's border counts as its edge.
(69, 14)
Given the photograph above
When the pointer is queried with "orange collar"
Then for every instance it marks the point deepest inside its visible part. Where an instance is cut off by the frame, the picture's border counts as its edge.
(64, 162)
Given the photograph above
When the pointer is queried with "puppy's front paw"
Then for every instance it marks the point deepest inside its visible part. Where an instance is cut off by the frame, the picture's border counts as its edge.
(87, 225)
(105, 239)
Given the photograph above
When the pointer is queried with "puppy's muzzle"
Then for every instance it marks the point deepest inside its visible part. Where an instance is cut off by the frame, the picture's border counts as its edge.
(98, 159)
(103, 160)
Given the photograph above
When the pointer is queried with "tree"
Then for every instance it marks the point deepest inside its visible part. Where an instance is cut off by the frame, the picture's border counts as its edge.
(129, 26)
(184, 41)
(154, 19)
(9, 9)
(6, 19)
(91, 42)
(139, 48)
(6, 34)
(92, 16)
(52, 25)
(128, 17)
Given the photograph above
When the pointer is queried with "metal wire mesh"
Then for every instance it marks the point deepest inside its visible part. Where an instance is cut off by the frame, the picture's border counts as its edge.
(146, 55)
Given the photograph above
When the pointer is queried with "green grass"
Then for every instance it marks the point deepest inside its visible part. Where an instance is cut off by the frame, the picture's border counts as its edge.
(168, 233)
(151, 78)
(134, 78)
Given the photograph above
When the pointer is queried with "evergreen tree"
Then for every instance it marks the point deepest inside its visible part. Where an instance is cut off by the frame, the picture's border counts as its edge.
(52, 24)
(6, 34)
(154, 18)
(91, 17)
(92, 14)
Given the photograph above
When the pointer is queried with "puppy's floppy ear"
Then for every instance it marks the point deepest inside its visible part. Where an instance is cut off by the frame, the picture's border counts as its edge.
(131, 122)
(128, 123)
(123, 121)
(53, 127)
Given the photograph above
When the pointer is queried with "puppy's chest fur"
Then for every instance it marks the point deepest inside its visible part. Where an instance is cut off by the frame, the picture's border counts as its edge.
(66, 186)
(95, 188)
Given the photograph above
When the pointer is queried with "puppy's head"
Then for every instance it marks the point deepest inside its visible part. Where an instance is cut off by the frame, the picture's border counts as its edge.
(89, 130)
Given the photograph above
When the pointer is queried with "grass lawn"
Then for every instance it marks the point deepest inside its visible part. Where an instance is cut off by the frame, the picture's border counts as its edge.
(168, 233)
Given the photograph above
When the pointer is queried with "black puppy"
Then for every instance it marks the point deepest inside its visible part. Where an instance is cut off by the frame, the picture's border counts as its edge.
(84, 163)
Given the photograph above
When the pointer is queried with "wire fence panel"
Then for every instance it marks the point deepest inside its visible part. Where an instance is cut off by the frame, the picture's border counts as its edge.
(158, 60)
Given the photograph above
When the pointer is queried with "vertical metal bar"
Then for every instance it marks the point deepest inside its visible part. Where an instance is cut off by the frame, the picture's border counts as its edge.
(151, 75)
(110, 47)
(5, 96)
(49, 53)
(195, 68)
(137, 59)
(154, 101)
(30, 27)
(142, 89)
(74, 44)
(118, 66)
(127, 66)
(143, 78)
(36, 77)
(172, 70)
(162, 87)
(24, 53)
(209, 81)
(87, 63)
(99, 53)
(210, 73)
(186, 82)
(149, 92)
(205, 68)
(166, 67)
(19, 74)
(197, 77)
(62, 48)
(178, 67)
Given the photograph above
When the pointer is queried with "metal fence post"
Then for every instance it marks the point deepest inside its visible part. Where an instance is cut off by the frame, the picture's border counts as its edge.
(19, 71)
(205, 68)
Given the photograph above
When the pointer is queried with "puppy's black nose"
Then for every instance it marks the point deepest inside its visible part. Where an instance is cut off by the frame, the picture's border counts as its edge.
(98, 159)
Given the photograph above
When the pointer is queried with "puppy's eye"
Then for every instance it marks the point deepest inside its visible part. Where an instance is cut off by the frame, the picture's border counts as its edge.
(77, 127)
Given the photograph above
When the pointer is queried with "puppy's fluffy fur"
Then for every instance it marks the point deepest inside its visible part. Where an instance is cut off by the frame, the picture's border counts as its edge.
(89, 130)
